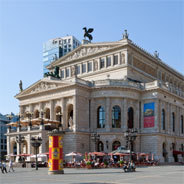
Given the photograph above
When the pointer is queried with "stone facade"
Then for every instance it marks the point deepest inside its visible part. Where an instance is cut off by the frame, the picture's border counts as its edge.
(104, 88)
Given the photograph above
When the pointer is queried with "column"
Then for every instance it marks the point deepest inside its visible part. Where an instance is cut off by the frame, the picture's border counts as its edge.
(125, 114)
(136, 119)
(93, 116)
(119, 58)
(75, 113)
(107, 114)
(51, 110)
(29, 144)
(8, 145)
(64, 113)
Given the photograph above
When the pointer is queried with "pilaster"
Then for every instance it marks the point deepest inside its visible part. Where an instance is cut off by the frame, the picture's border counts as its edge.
(107, 114)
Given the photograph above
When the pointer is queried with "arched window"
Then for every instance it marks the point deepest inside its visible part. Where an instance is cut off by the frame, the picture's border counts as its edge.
(115, 145)
(36, 114)
(47, 113)
(116, 117)
(100, 146)
(100, 117)
(130, 118)
(182, 127)
(70, 116)
(58, 113)
(173, 122)
(163, 119)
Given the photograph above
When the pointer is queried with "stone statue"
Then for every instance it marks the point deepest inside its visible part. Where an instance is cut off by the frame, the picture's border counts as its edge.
(86, 33)
(20, 85)
(55, 74)
(125, 35)
(156, 54)
(70, 122)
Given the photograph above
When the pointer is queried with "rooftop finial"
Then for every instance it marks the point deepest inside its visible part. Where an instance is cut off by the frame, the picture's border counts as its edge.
(125, 35)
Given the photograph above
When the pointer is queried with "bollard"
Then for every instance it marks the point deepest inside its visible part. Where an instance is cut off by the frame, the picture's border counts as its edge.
(56, 153)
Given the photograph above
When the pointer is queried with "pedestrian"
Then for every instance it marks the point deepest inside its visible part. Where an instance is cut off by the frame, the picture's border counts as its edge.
(4, 167)
(11, 166)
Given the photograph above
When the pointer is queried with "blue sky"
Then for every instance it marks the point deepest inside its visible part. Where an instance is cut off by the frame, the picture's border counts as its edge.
(26, 24)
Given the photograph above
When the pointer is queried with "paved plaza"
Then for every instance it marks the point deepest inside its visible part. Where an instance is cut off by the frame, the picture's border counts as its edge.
(146, 175)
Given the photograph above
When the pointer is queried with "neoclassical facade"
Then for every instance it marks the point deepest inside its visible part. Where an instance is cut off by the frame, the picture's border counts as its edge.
(105, 88)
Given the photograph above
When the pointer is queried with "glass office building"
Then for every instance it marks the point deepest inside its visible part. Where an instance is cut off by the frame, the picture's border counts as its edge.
(56, 48)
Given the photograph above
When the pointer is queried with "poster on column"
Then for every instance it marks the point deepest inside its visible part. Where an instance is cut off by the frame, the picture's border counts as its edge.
(149, 111)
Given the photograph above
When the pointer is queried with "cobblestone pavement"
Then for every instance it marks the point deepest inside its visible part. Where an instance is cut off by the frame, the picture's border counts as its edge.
(146, 175)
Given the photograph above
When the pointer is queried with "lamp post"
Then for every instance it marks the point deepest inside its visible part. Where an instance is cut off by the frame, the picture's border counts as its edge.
(59, 114)
(130, 136)
(42, 113)
(36, 142)
(95, 137)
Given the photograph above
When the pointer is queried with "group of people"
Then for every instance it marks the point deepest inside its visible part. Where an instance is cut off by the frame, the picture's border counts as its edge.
(3, 167)
(129, 166)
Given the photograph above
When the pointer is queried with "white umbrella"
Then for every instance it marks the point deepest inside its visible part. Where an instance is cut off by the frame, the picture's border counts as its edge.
(38, 156)
(73, 154)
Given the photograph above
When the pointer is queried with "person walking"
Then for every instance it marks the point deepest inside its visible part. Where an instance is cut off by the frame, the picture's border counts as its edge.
(11, 166)
(4, 167)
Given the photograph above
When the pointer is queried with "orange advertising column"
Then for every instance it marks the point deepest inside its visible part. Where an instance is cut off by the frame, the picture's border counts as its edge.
(56, 153)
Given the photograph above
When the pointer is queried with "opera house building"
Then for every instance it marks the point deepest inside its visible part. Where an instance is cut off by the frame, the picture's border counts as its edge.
(98, 91)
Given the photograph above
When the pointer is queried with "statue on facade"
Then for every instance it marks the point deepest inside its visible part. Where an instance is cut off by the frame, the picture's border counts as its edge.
(86, 33)
(156, 54)
(53, 74)
(20, 85)
(70, 122)
(125, 35)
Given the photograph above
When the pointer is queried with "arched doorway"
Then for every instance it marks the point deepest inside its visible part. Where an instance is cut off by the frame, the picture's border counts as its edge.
(47, 113)
(130, 118)
(36, 114)
(164, 152)
(58, 113)
(174, 155)
(115, 145)
(100, 147)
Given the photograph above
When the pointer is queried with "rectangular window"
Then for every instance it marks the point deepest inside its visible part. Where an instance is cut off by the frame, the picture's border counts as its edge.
(102, 62)
(83, 68)
(78, 69)
(69, 40)
(67, 72)
(89, 66)
(108, 61)
(62, 74)
(69, 50)
(115, 60)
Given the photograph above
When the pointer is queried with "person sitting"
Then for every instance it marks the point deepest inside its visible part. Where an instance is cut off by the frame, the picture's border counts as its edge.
(132, 166)
(125, 166)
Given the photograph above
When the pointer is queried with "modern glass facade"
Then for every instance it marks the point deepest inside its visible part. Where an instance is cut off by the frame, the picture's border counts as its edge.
(56, 48)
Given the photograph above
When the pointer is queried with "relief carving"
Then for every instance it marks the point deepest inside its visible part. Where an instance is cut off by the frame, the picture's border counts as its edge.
(72, 71)
(43, 86)
(86, 51)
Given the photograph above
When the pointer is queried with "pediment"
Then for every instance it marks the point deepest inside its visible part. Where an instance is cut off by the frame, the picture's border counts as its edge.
(86, 50)
(42, 86)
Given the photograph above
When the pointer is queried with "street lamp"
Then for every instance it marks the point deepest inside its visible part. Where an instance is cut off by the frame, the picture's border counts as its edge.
(60, 120)
(130, 135)
(36, 142)
(95, 137)
(19, 140)
(42, 113)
